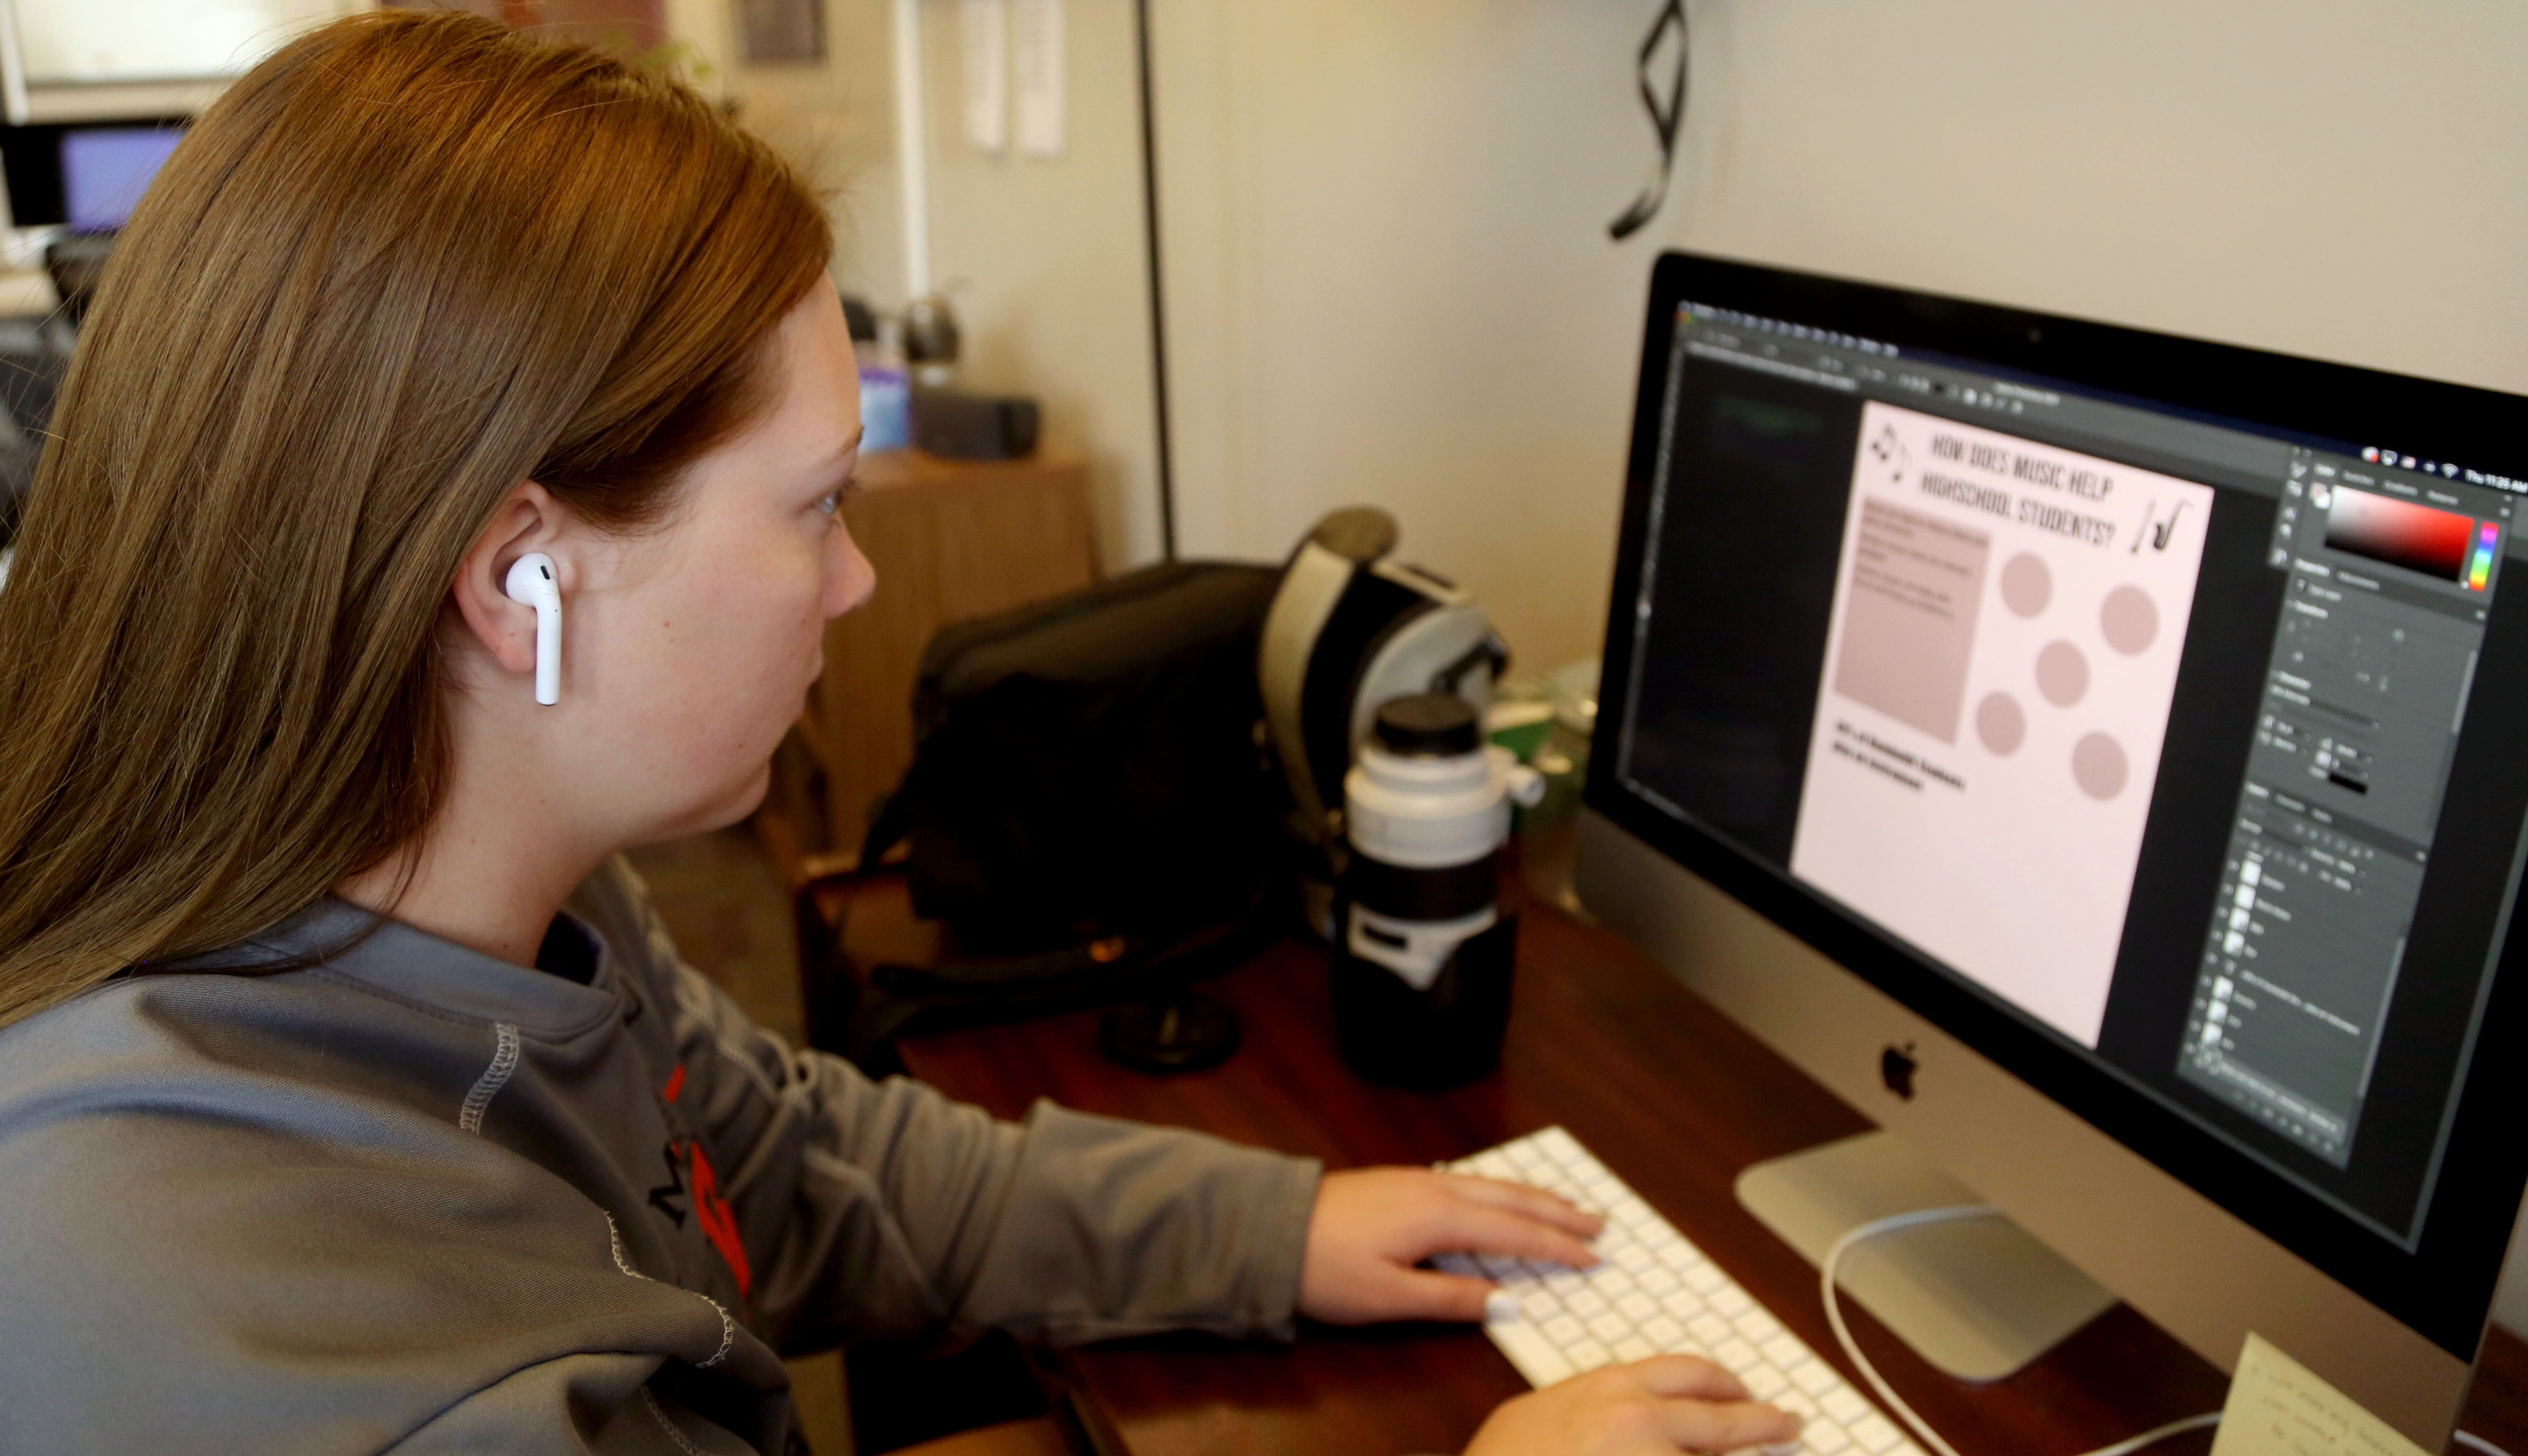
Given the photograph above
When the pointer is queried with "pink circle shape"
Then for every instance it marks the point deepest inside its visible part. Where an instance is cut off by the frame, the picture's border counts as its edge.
(2098, 766)
(2062, 673)
(2025, 584)
(2001, 723)
(2130, 620)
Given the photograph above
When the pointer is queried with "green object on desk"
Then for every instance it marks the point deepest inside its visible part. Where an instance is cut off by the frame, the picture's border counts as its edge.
(1520, 725)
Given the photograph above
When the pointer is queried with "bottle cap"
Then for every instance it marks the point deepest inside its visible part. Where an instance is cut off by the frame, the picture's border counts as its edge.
(1438, 724)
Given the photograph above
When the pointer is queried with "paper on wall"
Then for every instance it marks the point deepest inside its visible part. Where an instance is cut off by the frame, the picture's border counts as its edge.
(1037, 40)
(984, 27)
(2279, 1407)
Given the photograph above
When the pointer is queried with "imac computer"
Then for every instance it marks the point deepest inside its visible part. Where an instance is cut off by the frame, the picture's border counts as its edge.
(2101, 759)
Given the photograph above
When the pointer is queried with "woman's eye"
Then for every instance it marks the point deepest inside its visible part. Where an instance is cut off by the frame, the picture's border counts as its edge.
(832, 501)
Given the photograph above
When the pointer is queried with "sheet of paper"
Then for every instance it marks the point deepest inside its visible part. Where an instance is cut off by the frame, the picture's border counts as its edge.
(1036, 38)
(2278, 1407)
(984, 27)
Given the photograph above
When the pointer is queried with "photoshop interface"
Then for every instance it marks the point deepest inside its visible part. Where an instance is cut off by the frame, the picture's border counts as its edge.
(1909, 632)
(2391, 580)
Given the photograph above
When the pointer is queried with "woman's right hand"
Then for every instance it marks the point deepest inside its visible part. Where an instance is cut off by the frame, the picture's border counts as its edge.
(1654, 1407)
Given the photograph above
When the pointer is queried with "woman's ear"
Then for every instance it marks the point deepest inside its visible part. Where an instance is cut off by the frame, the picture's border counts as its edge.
(528, 519)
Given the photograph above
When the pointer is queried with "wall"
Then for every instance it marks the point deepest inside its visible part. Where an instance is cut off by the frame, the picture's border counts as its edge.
(1043, 261)
(1390, 279)
(835, 120)
(1389, 282)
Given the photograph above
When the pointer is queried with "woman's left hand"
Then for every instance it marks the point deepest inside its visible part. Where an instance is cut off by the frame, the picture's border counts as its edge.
(1372, 1225)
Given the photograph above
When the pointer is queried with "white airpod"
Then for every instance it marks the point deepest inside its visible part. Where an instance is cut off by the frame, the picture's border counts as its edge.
(531, 581)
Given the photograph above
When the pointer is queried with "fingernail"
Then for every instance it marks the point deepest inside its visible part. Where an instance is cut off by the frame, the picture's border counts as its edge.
(1499, 1308)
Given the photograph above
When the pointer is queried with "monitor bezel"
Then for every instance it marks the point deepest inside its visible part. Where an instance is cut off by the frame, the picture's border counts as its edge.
(2444, 1288)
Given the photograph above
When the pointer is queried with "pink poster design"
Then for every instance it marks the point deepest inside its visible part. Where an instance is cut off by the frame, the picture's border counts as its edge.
(2007, 624)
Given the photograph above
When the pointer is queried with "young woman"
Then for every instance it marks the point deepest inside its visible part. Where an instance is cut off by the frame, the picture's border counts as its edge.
(351, 1096)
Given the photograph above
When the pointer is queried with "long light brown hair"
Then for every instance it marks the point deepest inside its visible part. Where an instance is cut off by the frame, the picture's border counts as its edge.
(408, 261)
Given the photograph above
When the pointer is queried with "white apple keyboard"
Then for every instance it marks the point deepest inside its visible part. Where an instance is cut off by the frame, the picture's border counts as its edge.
(1652, 1293)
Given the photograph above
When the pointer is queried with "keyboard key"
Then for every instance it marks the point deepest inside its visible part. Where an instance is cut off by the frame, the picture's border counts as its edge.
(1873, 1433)
(1765, 1383)
(1610, 1327)
(1533, 1353)
(1843, 1406)
(1708, 1330)
(1636, 1306)
(1784, 1350)
(1815, 1376)
(1732, 1301)
(1584, 1301)
(1588, 1354)
(1705, 1279)
(1564, 1330)
(1658, 1278)
(1736, 1356)
(1633, 1347)
(1662, 1331)
(1823, 1437)
(1759, 1325)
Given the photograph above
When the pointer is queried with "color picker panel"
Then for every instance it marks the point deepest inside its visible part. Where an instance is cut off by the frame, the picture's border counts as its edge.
(2401, 533)
(2479, 572)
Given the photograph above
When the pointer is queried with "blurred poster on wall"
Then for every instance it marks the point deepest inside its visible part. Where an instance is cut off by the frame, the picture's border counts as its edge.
(1038, 63)
(771, 32)
(983, 26)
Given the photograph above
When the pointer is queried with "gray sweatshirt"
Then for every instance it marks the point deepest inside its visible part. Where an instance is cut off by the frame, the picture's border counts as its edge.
(415, 1198)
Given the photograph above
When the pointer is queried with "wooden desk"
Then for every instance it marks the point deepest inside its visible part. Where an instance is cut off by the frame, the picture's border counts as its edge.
(1671, 1095)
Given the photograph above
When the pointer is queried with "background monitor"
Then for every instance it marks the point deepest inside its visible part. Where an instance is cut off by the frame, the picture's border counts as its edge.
(47, 163)
(106, 169)
(2122, 733)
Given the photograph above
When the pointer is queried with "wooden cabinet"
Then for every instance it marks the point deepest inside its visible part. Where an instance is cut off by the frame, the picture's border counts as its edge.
(950, 538)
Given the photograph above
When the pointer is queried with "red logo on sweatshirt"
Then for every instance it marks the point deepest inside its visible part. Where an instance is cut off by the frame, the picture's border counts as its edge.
(690, 1169)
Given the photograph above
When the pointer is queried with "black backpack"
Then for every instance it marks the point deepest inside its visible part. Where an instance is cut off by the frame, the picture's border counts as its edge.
(1089, 809)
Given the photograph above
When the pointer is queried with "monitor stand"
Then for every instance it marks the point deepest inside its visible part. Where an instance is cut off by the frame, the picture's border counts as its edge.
(1978, 1298)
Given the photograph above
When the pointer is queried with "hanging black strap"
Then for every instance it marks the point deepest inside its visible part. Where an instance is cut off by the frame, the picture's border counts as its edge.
(1664, 116)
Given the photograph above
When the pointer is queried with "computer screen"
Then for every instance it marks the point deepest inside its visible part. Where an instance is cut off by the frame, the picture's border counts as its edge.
(106, 169)
(2148, 713)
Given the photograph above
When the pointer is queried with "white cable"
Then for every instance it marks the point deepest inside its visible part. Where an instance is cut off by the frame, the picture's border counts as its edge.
(2479, 1443)
(1852, 1351)
(2158, 1434)
(1843, 1335)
